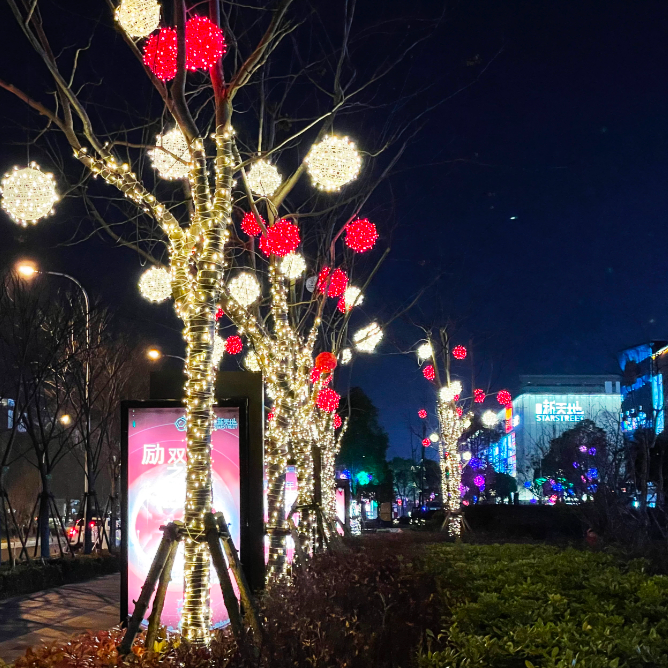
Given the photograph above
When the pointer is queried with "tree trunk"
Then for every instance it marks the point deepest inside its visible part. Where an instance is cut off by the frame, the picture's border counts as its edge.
(43, 529)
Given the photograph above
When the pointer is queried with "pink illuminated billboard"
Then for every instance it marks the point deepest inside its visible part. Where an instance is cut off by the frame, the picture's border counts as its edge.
(154, 484)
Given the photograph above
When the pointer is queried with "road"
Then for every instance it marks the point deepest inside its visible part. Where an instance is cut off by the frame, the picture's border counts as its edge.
(56, 614)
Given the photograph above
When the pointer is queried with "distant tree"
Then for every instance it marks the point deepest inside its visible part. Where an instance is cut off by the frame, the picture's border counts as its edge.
(505, 486)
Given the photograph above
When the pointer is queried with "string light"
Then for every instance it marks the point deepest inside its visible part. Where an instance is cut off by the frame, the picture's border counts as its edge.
(160, 54)
(205, 43)
(250, 225)
(504, 397)
(293, 266)
(251, 362)
(479, 396)
(171, 155)
(263, 178)
(325, 362)
(422, 413)
(333, 162)
(459, 352)
(346, 356)
(361, 235)
(28, 194)
(335, 286)
(234, 345)
(328, 400)
(281, 239)
(155, 284)
(429, 372)
(367, 338)
(425, 352)
(244, 289)
(139, 18)
(489, 418)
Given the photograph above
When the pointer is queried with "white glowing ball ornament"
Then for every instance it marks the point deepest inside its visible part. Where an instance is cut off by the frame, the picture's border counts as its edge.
(139, 18)
(155, 284)
(263, 178)
(489, 418)
(171, 156)
(367, 338)
(333, 162)
(251, 362)
(293, 266)
(346, 356)
(218, 350)
(352, 297)
(28, 194)
(244, 289)
(425, 352)
(448, 393)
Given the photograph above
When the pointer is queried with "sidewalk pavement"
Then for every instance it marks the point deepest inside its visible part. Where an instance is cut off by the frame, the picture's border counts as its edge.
(56, 614)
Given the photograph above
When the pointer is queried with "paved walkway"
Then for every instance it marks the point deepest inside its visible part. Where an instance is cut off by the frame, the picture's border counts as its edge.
(55, 614)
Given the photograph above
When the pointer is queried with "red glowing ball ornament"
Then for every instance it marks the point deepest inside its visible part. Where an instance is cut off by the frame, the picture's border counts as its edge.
(314, 376)
(271, 416)
(205, 43)
(250, 225)
(504, 397)
(281, 239)
(160, 54)
(337, 284)
(426, 442)
(328, 400)
(422, 413)
(459, 352)
(460, 411)
(428, 372)
(325, 362)
(337, 421)
(234, 345)
(478, 396)
(219, 313)
(361, 235)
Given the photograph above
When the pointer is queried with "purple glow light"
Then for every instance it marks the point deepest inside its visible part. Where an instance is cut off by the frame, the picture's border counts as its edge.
(479, 480)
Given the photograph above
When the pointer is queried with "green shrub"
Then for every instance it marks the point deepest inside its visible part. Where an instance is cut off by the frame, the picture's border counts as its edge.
(524, 606)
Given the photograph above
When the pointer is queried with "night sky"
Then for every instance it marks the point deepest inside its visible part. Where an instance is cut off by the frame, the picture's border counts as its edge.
(537, 194)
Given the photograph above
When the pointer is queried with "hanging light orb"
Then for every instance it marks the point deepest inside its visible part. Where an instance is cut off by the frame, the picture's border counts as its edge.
(160, 54)
(460, 410)
(28, 194)
(314, 375)
(155, 284)
(270, 416)
(434, 437)
(281, 239)
(489, 418)
(139, 18)
(167, 146)
(367, 338)
(219, 313)
(478, 396)
(218, 351)
(325, 362)
(244, 289)
(335, 286)
(504, 397)
(422, 413)
(337, 422)
(234, 345)
(346, 356)
(293, 266)
(252, 362)
(425, 352)
(333, 162)
(361, 235)
(250, 225)
(451, 392)
(459, 352)
(429, 372)
(456, 386)
(426, 442)
(328, 400)
(263, 178)
(351, 297)
(205, 43)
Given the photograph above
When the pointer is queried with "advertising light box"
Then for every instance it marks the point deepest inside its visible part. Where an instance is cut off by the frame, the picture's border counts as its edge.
(155, 489)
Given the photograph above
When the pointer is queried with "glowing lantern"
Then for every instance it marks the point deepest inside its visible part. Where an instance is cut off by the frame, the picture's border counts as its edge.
(478, 396)
(205, 43)
(155, 284)
(337, 421)
(218, 350)
(244, 289)
(333, 162)
(429, 372)
(361, 235)
(171, 156)
(28, 194)
(293, 266)
(367, 338)
(337, 284)
(250, 225)
(504, 397)
(328, 400)
(325, 362)
(263, 178)
(422, 413)
(160, 54)
(234, 345)
(281, 239)
(139, 18)
(351, 297)
(426, 442)
(459, 352)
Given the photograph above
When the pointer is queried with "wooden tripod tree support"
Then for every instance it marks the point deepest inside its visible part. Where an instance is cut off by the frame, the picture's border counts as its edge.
(455, 513)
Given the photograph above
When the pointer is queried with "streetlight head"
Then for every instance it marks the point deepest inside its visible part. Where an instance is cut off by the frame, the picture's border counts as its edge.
(65, 420)
(154, 354)
(27, 269)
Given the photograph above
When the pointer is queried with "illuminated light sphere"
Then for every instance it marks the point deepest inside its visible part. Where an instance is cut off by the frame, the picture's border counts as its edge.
(219, 313)
(314, 375)
(478, 396)
(328, 400)
(333, 162)
(337, 284)
(361, 235)
(422, 413)
(426, 442)
(281, 239)
(263, 178)
(155, 284)
(459, 352)
(504, 397)
(447, 394)
(346, 356)
(270, 416)
(171, 144)
(28, 194)
(160, 54)
(139, 18)
(367, 338)
(234, 345)
(460, 411)
(293, 266)
(251, 362)
(489, 418)
(337, 421)
(250, 225)
(325, 362)
(456, 387)
(434, 438)
(218, 350)
(351, 297)
(205, 43)
(466, 456)
(429, 372)
(425, 352)
(244, 289)
(479, 481)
